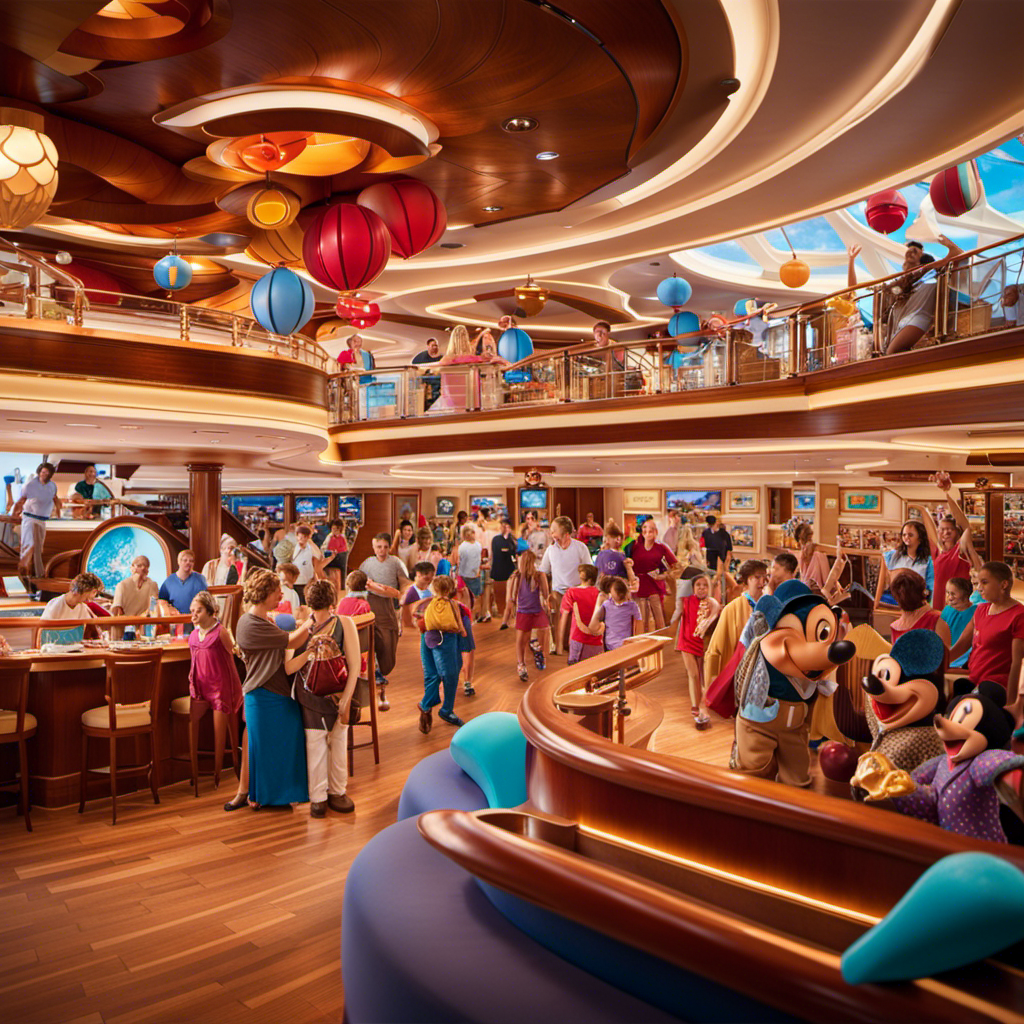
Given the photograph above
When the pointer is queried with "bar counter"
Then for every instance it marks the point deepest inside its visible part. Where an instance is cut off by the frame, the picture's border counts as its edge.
(66, 684)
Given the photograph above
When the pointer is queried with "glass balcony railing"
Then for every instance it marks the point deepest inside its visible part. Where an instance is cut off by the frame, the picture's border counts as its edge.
(960, 299)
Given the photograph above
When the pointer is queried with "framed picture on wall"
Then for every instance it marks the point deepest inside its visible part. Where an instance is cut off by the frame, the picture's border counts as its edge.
(744, 535)
(743, 501)
(641, 501)
(703, 502)
(859, 500)
(446, 506)
(493, 504)
(804, 501)
(849, 537)
(405, 506)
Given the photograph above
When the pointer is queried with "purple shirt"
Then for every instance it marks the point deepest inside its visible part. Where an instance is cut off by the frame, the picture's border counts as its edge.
(528, 601)
(618, 622)
(610, 563)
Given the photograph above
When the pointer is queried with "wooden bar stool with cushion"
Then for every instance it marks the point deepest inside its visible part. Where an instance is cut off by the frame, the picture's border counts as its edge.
(183, 706)
(17, 726)
(132, 695)
(364, 692)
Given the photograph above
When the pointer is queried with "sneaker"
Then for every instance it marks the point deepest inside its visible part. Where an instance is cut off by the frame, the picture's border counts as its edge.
(318, 809)
(426, 721)
(523, 674)
(468, 690)
(342, 804)
(451, 718)
(538, 659)
(486, 618)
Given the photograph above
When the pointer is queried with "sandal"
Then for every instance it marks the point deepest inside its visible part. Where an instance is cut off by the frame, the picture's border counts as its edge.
(523, 674)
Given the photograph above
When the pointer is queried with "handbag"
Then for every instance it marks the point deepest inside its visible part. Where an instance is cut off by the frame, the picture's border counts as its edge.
(327, 669)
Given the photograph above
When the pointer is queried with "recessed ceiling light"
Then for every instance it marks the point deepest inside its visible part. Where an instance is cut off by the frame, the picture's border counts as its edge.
(213, 440)
(91, 426)
(11, 419)
(211, 431)
(452, 245)
(26, 431)
(493, 209)
(548, 154)
(519, 124)
(128, 426)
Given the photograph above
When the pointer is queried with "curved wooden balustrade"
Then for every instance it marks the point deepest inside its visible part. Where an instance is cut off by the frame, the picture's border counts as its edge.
(751, 883)
(763, 943)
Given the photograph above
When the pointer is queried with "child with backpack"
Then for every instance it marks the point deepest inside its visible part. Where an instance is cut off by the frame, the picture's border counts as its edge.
(442, 623)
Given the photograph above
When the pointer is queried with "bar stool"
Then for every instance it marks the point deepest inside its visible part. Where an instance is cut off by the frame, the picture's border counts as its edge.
(183, 706)
(16, 727)
(132, 697)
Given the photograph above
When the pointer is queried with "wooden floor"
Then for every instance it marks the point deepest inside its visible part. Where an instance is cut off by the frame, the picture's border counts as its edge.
(182, 912)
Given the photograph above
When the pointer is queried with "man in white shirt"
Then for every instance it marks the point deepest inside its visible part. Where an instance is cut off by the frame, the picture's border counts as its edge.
(562, 558)
(305, 557)
(37, 503)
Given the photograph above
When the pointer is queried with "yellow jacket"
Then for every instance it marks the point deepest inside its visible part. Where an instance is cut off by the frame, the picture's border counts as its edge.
(726, 636)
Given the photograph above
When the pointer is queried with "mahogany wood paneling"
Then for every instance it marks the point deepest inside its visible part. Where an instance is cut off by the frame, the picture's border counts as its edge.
(376, 519)
(590, 499)
(204, 510)
(563, 503)
(155, 363)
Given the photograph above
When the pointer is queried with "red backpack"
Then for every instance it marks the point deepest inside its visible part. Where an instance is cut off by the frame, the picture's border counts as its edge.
(326, 672)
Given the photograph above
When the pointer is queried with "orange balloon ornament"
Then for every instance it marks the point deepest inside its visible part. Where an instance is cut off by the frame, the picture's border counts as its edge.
(270, 154)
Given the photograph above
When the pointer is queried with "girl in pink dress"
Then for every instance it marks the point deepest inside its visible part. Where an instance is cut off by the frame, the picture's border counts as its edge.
(455, 387)
(695, 614)
(213, 679)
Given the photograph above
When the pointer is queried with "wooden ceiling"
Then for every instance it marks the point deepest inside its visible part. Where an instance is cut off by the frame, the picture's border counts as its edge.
(598, 86)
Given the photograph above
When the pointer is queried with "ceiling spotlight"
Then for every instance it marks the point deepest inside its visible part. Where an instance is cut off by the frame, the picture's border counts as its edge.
(548, 154)
(519, 124)
(493, 209)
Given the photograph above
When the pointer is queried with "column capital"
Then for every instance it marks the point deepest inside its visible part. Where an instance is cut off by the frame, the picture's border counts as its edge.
(204, 467)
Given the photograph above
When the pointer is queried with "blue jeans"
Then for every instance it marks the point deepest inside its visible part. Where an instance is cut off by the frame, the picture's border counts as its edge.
(440, 665)
(474, 585)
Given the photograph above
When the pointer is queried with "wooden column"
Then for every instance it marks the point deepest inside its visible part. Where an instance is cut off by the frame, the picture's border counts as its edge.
(204, 527)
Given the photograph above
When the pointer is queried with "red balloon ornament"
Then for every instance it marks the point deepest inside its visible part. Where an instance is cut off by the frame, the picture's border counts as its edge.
(368, 319)
(360, 313)
(886, 211)
(838, 762)
(346, 247)
(415, 217)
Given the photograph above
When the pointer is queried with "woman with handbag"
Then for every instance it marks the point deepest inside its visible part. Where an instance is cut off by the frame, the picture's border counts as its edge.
(328, 663)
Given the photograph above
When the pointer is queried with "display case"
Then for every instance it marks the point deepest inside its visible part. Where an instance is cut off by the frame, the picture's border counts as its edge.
(1012, 546)
(976, 504)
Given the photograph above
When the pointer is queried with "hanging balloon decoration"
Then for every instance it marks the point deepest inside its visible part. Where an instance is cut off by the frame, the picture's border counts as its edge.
(272, 152)
(515, 344)
(415, 218)
(956, 190)
(360, 313)
(281, 301)
(886, 211)
(674, 291)
(272, 207)
(369, 318)
(346, 247)
(28, 171)
(282, 247)
(172, 273)
(742, 307)
(793, 273)
(530, 299)
(683, 323)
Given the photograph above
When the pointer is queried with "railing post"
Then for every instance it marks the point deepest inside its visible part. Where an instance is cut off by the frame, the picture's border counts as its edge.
(566, 376)
(730, 357)
(235, 332)
(183, 321)
(942, 303)
(794, 344)
(659, 364)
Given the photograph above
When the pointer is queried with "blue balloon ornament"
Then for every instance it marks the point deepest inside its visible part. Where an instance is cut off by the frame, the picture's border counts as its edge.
(674, 291)
(515, 344)
(740, 309)
(172, 273)
(491, 750)
(676, 359)
(281, 301)
(683, 323)
(964, 908)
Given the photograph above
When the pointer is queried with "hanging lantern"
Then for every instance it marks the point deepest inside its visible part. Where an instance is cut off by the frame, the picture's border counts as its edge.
(683, 323)
(886, 211)
(172, 273)
(956, 190)
(370, 317)
(346, 247)
(272, 207)
(414, 216)
(674, 291)
(794, 273)
(515, 344)
(280, 248)
(530, 299)
(28, 169)
(281, 301)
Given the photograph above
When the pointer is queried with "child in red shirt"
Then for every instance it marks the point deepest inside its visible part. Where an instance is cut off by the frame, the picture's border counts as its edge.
(995, 634)
(354, 602)
(584, 597)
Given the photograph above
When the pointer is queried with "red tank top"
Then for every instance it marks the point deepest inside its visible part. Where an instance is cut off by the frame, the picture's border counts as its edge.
(947, 565)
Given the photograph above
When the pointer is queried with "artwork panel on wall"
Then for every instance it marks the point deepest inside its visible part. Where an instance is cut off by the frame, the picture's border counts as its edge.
(744, 500)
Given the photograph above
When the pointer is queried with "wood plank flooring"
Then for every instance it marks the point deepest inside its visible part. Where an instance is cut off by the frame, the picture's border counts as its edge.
(182, 912)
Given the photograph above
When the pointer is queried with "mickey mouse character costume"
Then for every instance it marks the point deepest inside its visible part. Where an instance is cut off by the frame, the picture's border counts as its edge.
(792, 658)
(958, 790)
(904, 690)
